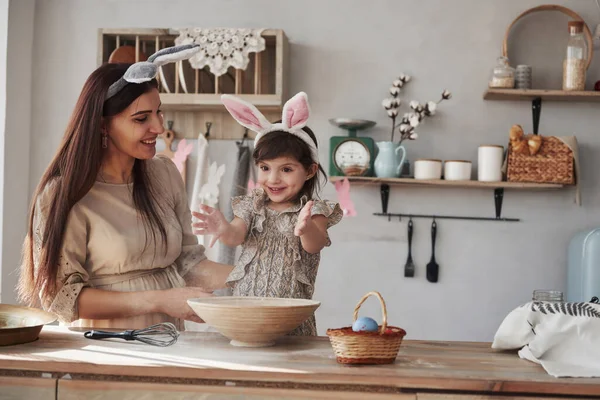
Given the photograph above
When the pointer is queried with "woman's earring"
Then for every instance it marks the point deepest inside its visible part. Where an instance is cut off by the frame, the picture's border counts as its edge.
(104, 141)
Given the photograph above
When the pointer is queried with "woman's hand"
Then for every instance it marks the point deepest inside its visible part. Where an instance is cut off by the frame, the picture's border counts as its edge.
(208, 275)
(104, 304)
(173, 302)
(210, 222)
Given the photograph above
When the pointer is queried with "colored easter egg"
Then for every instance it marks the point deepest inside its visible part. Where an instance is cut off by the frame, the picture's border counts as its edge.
(365, 324)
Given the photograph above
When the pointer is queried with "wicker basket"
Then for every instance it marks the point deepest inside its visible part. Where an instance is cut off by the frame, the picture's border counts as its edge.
(552, 164)
(379, 347)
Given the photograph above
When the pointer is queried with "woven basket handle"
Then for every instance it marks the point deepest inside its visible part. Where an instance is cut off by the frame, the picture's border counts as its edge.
(553, 7)
(383, 309)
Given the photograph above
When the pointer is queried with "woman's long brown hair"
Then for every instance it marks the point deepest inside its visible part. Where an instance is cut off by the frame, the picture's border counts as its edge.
(74, 168)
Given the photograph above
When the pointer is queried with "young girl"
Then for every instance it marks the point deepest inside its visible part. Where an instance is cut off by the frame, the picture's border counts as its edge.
(282, 228)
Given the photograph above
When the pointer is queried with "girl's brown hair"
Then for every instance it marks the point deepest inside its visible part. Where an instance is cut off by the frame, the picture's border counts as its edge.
(284, 144)
(73, 171)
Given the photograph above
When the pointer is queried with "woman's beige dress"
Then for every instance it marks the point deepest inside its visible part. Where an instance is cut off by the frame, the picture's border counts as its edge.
(105, 246)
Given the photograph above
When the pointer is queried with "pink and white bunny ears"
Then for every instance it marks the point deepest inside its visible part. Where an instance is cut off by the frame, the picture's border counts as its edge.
(294, 116)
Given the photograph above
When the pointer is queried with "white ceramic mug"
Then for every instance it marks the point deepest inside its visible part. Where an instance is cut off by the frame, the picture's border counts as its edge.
(457, 170)
(490, 159)
(428, 169)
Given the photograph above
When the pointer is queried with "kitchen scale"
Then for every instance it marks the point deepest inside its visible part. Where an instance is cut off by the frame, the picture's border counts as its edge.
(351, 155)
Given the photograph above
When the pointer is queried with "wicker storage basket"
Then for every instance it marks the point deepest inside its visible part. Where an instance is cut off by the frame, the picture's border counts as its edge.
(553, 163)
(379, 347)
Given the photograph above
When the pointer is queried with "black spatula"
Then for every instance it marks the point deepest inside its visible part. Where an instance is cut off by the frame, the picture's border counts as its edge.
(409, 267)
(433, 268)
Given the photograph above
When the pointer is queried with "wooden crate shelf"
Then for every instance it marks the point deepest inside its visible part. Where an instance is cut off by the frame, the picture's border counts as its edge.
(191, 97)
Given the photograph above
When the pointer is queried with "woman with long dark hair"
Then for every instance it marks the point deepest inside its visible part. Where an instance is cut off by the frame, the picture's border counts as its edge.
(110, 242)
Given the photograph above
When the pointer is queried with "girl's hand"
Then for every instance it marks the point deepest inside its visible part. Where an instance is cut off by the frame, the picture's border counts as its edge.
(304, 219)
(173, 302)
(211, 222)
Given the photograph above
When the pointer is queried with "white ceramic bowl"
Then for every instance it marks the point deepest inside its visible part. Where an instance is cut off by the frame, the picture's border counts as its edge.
(253, 321)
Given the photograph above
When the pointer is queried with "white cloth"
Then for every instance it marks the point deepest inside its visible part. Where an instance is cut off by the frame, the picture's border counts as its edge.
(201, 176)
(564, 338)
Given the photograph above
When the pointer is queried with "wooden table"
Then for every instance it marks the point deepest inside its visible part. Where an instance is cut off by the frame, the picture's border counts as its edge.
(62, 364)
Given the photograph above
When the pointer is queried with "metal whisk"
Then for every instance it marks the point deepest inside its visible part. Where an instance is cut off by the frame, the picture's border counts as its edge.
(162, 335)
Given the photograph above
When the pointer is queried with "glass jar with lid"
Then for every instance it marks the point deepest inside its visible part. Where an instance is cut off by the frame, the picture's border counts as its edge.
(575, 62)
(503, 75)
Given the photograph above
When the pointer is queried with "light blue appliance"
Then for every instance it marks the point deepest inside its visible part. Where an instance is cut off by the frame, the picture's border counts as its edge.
(583, 270)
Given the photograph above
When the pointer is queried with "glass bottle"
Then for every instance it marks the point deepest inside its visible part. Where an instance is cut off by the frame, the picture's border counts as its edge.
(574, 65)
(548, 295)
(503, 75)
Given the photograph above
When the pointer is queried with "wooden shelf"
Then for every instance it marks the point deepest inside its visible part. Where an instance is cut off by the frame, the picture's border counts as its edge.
(497, 187)
(204, 101)
(449, 184)
(531, 94)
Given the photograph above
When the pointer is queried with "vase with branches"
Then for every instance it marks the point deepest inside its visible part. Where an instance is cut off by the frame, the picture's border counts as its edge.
(389, 163)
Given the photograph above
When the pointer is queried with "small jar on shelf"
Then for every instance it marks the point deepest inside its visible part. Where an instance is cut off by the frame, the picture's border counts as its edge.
(548, 295)
(523, 77)
(575, 63)
(503, 75)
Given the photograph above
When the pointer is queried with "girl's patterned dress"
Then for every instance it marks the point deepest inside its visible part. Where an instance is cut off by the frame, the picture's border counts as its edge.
(273, 262)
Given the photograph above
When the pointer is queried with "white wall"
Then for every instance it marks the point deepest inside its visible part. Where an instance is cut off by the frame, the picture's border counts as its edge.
(3, 42)
(15, 190)
(344, 54)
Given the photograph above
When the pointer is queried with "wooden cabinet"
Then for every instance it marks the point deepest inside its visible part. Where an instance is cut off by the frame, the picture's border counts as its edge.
(205, 366)
(437, 396)
(22, 388)
(27, 388)
(75, 390)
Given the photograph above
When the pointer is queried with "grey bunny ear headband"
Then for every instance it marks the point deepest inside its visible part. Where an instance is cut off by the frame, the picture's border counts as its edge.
(145, 71)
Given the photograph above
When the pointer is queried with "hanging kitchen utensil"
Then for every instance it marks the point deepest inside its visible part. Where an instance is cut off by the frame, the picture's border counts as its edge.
(21, 324)
(161, 335)
(409, 267)
(433, 268)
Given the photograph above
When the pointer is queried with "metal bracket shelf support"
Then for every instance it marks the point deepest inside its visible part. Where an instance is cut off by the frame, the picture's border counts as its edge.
(498, 199)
